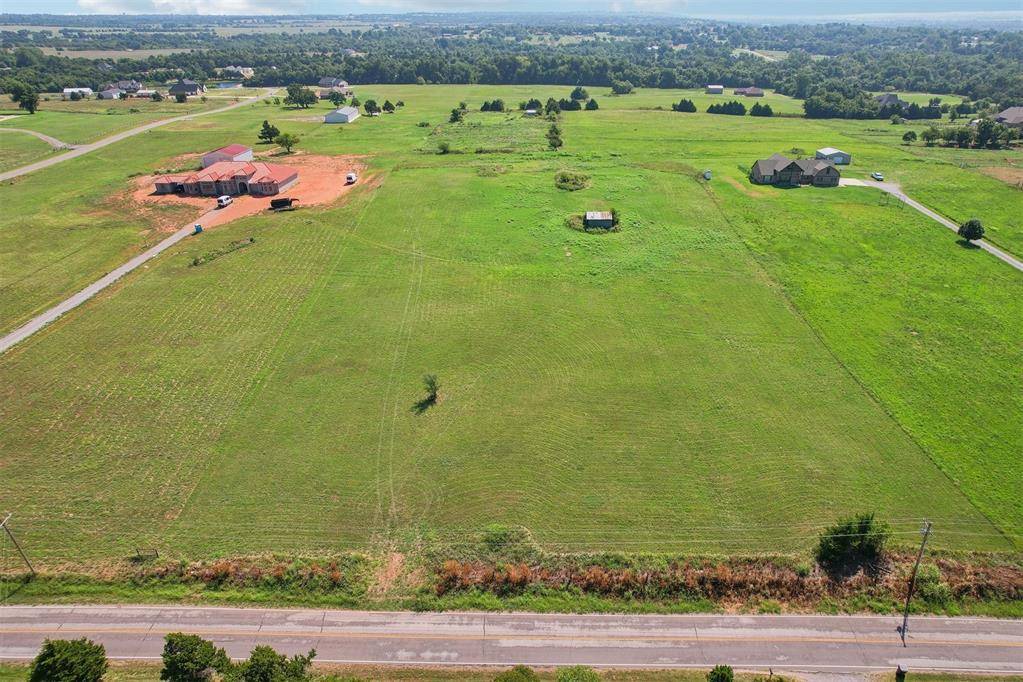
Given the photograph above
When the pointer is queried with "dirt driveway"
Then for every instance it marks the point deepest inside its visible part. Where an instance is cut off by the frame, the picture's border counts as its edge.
(321, 181)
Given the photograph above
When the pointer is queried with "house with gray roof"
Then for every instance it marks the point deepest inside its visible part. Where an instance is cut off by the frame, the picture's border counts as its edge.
(1012, 117)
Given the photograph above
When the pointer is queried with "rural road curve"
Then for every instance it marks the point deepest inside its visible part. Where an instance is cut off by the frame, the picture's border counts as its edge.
(896, 191)
(52, 141)
(117, 137)
(824, 644)
(40, 321)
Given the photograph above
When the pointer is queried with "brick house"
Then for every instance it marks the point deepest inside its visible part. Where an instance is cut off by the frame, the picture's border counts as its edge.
(230, 177)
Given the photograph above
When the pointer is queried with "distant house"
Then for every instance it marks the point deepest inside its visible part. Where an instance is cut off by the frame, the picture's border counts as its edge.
(342, 115)
(143, 93)
(889, 100)
(781, 170)
(715, 90)
(331, 82)
(232, 152)
(84, 92)
(835, 156)
(230, 177)
(112, 93)
(238, 71)
(187, 87)
(749, 92)
(325, 94)
(601, 219)
(1012, 117)
(127, 85)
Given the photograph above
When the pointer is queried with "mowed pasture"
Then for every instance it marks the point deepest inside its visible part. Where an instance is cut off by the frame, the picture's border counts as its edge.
(91, 119)
(735, 368)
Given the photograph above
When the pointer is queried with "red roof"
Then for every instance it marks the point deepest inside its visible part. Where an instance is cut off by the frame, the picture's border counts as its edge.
(233, 149)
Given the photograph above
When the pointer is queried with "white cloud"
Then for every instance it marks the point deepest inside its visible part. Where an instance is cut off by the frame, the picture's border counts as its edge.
(192, 6)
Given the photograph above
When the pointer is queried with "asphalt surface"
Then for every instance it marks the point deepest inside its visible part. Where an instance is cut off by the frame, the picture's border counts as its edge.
(896, 191)
(809, 644)
(40, 321)
(117, 137)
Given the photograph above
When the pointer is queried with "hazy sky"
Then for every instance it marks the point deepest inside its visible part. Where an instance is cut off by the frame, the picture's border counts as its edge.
(720, 8)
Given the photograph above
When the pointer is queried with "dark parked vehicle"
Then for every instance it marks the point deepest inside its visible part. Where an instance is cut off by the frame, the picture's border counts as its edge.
(282, 204)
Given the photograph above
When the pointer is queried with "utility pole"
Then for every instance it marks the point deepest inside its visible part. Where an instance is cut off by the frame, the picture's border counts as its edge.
(926, 532)
(3, 524)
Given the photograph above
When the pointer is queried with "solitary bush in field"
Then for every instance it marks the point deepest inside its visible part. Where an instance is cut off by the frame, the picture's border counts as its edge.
(577, 673)
(971, 229)
(853, 543)
(571, 180)
(190, 658)
(519, 673)
(721, 673)
(266, 665)
(64, 660)
(444, 148)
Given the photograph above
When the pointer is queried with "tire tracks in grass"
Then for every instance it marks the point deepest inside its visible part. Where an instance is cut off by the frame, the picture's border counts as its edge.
(791, 305)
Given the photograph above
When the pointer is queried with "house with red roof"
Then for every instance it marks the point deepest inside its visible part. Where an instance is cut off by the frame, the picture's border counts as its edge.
(230, 177)
(232, 152)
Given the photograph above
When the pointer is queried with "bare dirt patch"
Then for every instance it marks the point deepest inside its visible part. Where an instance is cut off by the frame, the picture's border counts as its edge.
(1010, 175)
(321, 181)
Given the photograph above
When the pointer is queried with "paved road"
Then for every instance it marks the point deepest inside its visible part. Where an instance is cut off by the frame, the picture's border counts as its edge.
(117, 137)
(52, 141)
(40, 321)
(896, 191)
(829, 644)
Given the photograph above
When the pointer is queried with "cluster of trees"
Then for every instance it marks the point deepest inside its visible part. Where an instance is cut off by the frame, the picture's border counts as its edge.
(912, 111)
(685, 106)
(300, 96)
(977, 65)
(186, 658)
(987, 134)
(759, 109)
(494, 105)
(554, 137)
(22, 94)
(732, 108)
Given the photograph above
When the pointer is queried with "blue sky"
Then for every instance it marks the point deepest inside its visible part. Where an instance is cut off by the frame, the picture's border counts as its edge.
(718, 8)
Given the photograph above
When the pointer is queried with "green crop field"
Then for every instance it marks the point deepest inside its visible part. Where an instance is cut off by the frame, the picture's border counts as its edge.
(733, 369)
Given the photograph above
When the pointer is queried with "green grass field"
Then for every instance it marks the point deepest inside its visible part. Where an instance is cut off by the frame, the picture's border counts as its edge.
(19, 149)
(89, 120)
(736, 367)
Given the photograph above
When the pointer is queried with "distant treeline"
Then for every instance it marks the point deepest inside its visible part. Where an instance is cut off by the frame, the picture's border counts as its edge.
(972, 64)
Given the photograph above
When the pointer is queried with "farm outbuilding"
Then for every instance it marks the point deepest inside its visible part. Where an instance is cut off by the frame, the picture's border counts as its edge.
(83, 92)
(342, 115)
(112, 93)
(835, 156)
(601, 219)
(232, 152)
(715, 89)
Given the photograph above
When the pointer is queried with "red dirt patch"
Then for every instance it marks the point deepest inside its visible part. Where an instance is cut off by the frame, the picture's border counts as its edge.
(321, 180)
(1007, 174)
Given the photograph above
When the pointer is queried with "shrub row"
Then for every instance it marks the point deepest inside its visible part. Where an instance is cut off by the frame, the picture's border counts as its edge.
(738, 579)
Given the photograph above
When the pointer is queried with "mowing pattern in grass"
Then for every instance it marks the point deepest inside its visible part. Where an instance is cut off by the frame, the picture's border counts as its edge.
(726, 373)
